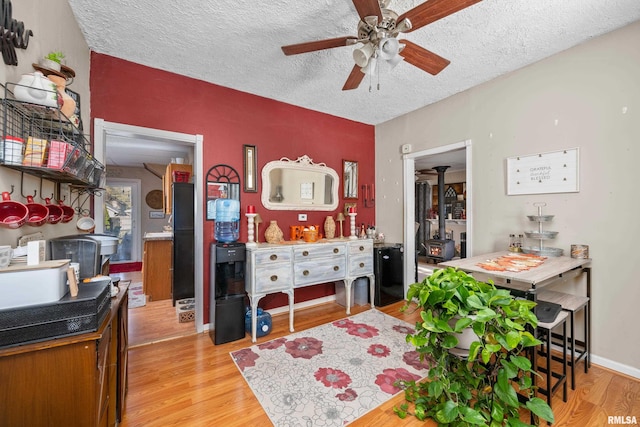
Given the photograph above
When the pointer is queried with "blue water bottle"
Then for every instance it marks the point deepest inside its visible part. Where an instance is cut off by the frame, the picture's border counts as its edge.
(227, 217)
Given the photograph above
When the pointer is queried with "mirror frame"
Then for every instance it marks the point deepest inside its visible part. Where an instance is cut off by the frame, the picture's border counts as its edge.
(350, 172)
(303, 163)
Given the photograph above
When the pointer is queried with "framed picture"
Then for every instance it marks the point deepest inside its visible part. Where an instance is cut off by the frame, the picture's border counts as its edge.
(250, 166)
(156, 214)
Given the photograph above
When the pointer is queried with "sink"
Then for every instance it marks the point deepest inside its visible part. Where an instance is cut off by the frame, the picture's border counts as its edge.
(108, 244)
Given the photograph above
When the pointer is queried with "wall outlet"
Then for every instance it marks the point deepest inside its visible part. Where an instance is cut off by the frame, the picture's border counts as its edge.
(302, 217)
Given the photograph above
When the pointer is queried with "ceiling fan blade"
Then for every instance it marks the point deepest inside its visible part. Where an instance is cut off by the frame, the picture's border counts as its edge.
(368, 8)
(295, 49)
(354, 79)
(432, 10)
(422, 58)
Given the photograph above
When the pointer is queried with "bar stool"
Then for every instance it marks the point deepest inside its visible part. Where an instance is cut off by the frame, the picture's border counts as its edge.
(572, 304)
(544, 333)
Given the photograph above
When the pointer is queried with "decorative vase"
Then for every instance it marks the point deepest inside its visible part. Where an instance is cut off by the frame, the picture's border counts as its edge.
(329, 227)
(68, 103)
(273, 234)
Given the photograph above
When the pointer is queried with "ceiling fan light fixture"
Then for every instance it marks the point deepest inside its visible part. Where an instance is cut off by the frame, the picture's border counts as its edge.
(370, 68)
(362, 54)
(389, 48)
(395, 61)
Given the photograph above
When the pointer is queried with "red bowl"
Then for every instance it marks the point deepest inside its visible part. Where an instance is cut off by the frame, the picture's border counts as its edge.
(55, 212)
(67, 212)
(12, 214)
(38, 214)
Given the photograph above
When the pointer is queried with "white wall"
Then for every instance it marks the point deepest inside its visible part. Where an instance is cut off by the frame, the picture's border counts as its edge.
(55, 28)
(586, 97)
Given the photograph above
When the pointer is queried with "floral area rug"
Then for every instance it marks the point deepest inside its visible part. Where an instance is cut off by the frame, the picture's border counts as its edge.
(331, 374)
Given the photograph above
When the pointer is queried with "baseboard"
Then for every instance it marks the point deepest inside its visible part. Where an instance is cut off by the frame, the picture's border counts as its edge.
(616, 366)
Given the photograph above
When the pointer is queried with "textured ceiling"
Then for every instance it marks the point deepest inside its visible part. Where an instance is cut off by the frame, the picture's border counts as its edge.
(237, 45)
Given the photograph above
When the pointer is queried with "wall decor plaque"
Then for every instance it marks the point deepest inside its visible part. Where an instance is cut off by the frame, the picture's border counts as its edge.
(553, 172)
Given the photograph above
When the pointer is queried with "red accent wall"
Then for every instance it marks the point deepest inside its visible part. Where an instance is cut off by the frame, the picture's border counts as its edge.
(130, 93)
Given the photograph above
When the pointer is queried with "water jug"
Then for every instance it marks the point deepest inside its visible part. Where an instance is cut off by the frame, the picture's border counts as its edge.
(227, 217)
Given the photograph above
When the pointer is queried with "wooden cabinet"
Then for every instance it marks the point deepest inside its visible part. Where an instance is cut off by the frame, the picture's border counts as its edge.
(167, 180)
(66, 381)
(157, 269)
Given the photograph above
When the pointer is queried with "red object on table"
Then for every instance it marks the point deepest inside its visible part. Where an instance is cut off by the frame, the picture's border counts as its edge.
(251, 209)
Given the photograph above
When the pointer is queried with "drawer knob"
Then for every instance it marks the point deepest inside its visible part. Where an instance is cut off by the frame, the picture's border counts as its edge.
(361, 248)
(305, 253)
(362, 265)
(274, 278)
(305, 273)
(273, 257)
(336, 268)
(336, 250)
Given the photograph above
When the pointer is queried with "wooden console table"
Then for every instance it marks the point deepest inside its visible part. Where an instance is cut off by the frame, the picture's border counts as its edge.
(285, 267)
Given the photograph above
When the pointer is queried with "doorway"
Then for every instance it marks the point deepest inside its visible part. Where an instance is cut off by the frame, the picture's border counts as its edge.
(458, 153)
(155, 138)
(122, 218)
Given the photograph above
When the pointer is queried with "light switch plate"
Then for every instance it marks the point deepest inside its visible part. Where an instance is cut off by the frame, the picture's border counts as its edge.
(302, 217)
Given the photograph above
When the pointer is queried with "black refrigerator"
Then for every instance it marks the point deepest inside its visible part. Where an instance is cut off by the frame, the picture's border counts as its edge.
(182, 211)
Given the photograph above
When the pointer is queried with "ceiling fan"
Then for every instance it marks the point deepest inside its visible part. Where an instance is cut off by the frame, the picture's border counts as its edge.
(378, 30)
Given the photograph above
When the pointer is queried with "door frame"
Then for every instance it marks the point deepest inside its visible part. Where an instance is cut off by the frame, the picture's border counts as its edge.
(136, 215)
(408, 164)
(103, 129)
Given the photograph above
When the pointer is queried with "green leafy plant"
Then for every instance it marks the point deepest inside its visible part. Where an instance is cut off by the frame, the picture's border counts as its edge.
(481, 389)
(55, 56)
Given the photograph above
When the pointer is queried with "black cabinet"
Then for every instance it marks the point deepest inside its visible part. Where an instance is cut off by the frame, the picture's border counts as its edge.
(388, 266)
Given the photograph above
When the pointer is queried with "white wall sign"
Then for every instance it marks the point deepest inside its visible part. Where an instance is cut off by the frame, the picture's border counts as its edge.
(554, 172)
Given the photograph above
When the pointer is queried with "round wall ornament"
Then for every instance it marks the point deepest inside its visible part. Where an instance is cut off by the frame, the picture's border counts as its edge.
(154, 199)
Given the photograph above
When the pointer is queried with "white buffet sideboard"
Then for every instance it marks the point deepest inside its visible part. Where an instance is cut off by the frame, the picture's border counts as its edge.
(272, 268)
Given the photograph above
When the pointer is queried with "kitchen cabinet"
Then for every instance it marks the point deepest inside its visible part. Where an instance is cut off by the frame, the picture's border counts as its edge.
(157, 268)
(70, 381)
(275, 268)
(168, 179)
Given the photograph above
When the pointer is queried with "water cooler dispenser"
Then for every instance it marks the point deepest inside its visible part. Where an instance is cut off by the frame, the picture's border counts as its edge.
(227, 308)
(227, 269)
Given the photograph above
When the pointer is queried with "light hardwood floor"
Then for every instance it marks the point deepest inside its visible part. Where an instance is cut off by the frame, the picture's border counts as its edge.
(189, 381)
(154, 322)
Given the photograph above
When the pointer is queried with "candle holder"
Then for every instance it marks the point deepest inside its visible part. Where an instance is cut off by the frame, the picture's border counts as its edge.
(250, 230)
(352, 217)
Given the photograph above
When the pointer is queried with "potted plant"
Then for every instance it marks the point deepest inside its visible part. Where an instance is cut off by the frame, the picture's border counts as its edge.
(52, 60)
(478, 386)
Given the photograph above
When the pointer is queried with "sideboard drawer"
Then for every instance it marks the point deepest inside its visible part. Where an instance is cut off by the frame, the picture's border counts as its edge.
(272, 255)
(305, 252)
(320, 271)
(273, 278)
(364, 246)
(361, 265)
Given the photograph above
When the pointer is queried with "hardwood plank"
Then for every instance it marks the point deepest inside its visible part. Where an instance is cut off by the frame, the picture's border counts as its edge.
(189, 381)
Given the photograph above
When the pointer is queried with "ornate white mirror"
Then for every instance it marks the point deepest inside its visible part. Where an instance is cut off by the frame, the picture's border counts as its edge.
(299, 185)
